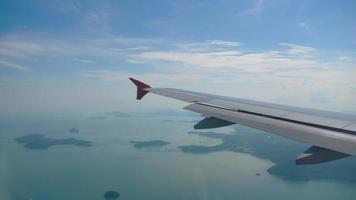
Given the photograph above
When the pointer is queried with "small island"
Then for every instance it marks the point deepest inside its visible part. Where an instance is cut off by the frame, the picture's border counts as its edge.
(152, 143)
(73, 130)
(111, 195)
(40, 141)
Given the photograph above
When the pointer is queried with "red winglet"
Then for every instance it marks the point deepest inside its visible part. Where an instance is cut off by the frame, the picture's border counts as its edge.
(140, 88)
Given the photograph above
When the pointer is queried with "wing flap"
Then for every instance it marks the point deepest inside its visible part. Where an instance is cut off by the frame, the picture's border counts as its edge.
(316, 155)
(212, 122)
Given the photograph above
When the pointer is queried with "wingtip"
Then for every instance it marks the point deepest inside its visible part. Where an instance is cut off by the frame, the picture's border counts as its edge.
(139, 84)
(140, 88)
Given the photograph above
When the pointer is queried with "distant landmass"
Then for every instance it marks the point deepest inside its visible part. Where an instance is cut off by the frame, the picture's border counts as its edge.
(109, 114)
(96, 117)
(73, 130)
(40, 141)
(152, 143)
(280, 151)
(180, 121)
(117, 114)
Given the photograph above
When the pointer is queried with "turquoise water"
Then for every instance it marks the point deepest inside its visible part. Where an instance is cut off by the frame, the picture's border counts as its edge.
(112, 163)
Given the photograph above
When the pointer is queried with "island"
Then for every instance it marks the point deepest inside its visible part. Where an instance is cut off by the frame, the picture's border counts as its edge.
(281, 151)
(73, 130)
(152, 143)
(229, 143)
(111, 195)
(40, 141)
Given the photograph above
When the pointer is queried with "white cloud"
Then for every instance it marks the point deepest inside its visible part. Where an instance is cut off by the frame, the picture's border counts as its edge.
(332, 88)
(151, 77)
(208, 45)
(11, 65)
(20, 49)
(32, 48)
(290, 75)
(139, 48)
(344, 58)
(83, 60)
(307, 28)
(225, 43)
(257, 8)
(93, 18)
(298, 49)
(248, 62)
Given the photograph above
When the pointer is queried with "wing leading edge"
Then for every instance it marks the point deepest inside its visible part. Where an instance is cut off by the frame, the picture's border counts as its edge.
(332, 135)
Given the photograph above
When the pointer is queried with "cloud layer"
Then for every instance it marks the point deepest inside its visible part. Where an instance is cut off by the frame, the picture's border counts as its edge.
(288, 73)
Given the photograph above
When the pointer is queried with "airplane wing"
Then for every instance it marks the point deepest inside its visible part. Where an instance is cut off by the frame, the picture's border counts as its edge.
(332, 135)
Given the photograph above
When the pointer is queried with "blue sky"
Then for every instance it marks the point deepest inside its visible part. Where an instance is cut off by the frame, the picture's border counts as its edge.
(76, 56)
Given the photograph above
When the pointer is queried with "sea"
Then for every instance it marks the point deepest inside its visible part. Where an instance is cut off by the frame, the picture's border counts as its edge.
(241, 163)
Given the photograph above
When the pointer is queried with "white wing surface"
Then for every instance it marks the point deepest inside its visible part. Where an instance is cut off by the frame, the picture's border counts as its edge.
(332, 135)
